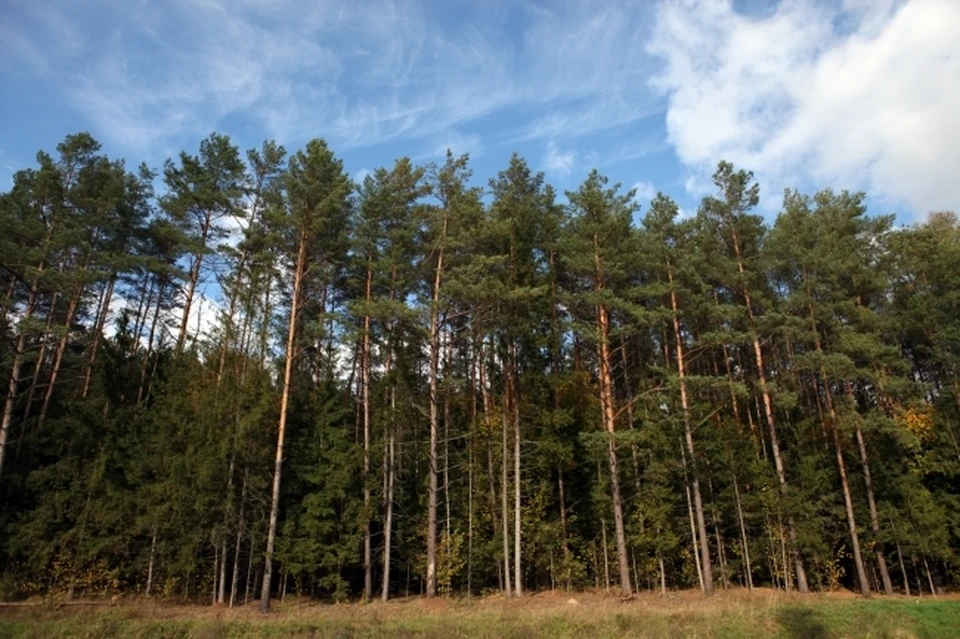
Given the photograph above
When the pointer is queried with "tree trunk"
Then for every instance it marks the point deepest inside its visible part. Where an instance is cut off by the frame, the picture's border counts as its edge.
(150, 339)
(693, 526)
(222, 588)
(926, 566)
(688, 438)
(606, 555)
(470, 456)
(104, 311)
(745, 546)
(488, 425)
(663, 575)
(563, 527)
(721, 555)
(153, 554)
(434, 415)
(365, 372)
(281, 429)
(192, 279)
(518, 571)
(903, 571)
(504, 487)
(61, 349)
(235, 579)
(35, 381)
(609, 420)
(389, 454)
(848, 504)
(871, 501)
(802, 585)
(388, 519)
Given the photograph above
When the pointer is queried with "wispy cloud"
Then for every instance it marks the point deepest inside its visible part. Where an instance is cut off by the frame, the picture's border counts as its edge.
(359, 73)
(558, 162)
(864, 95)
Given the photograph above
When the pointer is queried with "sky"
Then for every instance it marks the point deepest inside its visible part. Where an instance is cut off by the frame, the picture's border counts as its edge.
(848, 94)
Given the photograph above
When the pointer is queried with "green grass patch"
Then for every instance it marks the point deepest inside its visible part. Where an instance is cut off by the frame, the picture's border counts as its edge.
(592, 617)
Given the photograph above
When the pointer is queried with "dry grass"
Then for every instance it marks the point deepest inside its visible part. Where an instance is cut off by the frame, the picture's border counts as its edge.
(735, 613)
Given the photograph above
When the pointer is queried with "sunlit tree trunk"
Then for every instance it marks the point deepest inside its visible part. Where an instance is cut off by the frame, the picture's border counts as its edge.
(688, 440)
(434, 415)
(609, 420)
(281, 429)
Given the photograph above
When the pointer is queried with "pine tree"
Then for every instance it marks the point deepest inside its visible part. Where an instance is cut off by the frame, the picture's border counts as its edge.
(317, 192)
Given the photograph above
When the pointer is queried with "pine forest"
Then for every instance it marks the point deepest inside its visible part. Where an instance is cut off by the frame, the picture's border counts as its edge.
(242, 376)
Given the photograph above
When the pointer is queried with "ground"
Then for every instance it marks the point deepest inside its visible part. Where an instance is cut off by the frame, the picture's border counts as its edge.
(763, 613)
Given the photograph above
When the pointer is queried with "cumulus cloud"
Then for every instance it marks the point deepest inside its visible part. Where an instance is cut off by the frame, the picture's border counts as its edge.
(864, 95)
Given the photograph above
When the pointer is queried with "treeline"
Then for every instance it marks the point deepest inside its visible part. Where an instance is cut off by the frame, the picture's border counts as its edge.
(417, 385)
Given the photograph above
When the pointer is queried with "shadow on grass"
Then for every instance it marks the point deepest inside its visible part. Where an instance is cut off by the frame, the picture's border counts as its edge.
(802, 623)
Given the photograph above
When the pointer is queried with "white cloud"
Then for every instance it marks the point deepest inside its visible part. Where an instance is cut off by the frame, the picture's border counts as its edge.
(557, 161)
(645, 191)
(865, 96)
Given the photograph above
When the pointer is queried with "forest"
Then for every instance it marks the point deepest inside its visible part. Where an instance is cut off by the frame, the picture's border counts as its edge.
(239, 377)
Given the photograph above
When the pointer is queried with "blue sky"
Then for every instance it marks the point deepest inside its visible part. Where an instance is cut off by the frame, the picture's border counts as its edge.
(858, 94)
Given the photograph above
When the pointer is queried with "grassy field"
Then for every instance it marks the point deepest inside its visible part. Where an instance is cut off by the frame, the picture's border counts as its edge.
(581, 615)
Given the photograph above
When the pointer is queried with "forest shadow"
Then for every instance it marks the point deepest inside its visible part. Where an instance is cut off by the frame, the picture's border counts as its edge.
(802, 623)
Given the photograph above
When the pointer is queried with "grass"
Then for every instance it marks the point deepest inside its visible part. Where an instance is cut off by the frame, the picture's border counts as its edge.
(582, 615)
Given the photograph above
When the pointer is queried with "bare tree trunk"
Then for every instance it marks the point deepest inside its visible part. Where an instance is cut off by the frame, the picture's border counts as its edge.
(58, 358)
(281, 430)
(933, 590)
(389, 454)
(871, 500)
(488, 425)
(247, 592)
(707, 576)
(745, 546)
(606, 555)
(693, 526)
(234, 582)
(11, 397)
(150, 339)
(434, 415)
(721, 555)
(102, 315)
(903, 571)
(563, 527)
(802, 584)
(153, 554)
(216, 565)
(35, 381)
(663, 575)
(388, 520)
(192, 281)
(470, 455)
(609, 419)
(505, 484)
(848, 504)
(518, 571)
(365, 372)
(143, 311)
(222, 589)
